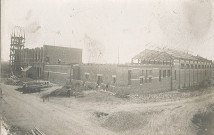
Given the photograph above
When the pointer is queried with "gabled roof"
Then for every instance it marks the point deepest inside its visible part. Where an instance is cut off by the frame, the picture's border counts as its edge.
(146, 54)
(201, 58)
(166, 55)
(179, 54)
(153, 55)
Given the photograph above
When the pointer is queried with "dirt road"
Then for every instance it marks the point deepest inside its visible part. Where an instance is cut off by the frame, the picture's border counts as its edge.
(28, 110)
(71, 116)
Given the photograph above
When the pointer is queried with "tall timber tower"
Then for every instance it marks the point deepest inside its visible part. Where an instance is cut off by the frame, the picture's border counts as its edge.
(17, 42)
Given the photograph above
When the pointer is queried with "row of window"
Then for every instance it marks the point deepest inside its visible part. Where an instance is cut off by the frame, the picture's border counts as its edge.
(162, 74)
(146, 80)
(146, 72)
(166, 73)
(143, 79)
(155, 62)
(192, 66)
(100, 78)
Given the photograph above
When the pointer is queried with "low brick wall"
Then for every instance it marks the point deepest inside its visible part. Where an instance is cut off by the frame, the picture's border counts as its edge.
(136, 78)
(59, 74)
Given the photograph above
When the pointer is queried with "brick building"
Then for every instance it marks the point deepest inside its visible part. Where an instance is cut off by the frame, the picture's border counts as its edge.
(150, 70)
(165, 69)
(184, 69)
(35, 62)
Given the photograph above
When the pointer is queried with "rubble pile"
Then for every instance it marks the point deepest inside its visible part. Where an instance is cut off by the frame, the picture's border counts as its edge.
(121, 121)
(66, 91)
(13, 80)
(90, 85)
(35, 86)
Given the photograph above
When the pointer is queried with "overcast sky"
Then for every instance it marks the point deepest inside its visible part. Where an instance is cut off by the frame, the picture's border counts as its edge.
(107, 26)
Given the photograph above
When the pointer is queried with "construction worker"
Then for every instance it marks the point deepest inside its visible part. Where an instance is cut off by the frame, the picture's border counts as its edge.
(107, 86)
(69, 92)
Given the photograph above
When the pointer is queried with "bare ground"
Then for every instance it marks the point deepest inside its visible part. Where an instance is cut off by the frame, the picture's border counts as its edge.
(102, 113)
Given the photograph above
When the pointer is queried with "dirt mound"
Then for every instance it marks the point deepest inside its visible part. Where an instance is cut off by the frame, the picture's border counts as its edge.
(100, 114)
(99, 96)
(64, 92)
(13, 80)
(122, 121)
(59, 92)
(204, 121)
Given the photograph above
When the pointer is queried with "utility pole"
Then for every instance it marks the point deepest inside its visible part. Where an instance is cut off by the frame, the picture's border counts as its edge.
(70, 72)
(118, 53)
(171, 64)
(189, 73)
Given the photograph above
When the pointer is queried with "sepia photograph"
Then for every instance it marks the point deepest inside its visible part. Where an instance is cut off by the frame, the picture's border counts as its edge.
(107, 67)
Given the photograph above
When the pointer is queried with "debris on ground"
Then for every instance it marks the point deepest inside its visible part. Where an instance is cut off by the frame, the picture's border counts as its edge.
(13, 80)
(12, 130)
(90, 85)
(65, 91)
(99, 96)
(204, 121)
(4, 128)
(100, 114)
(16, 130)
(34, 86)
(121, 121)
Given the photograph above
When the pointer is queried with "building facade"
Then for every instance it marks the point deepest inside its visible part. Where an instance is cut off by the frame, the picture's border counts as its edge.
(185, 69)
(35, 62)
(150, 70)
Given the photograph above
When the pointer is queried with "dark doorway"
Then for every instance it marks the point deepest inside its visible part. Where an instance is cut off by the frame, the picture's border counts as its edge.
(129, 77)
(160, 75)
(99, 79)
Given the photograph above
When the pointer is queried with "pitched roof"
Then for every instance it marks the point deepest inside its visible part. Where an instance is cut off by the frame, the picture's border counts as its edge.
(153, 55)
(179, 54)
(201, 58)
(166, 55)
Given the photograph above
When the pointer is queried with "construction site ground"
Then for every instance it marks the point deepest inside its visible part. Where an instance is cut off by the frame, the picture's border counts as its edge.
(101, 113)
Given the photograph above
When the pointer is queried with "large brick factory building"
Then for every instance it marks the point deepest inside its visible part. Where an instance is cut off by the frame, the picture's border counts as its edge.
(165, 69)
(150, 70)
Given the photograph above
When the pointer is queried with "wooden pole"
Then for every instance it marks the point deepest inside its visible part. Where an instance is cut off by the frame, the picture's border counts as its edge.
(70, 73)
(171, 75)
